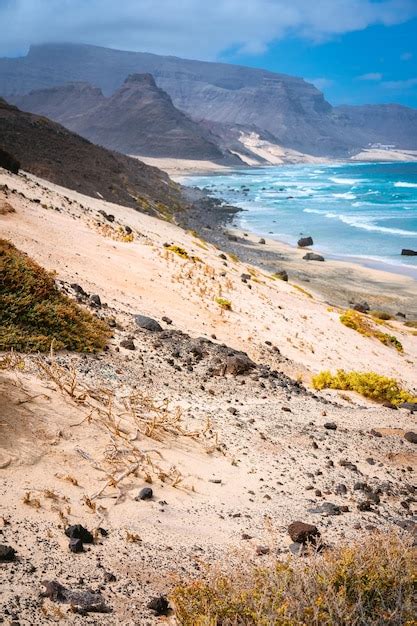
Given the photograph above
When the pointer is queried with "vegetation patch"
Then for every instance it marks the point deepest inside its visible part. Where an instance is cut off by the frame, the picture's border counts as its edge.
(224, 304)
(356, 321)
(381, 315)
(366, 584)
(35, 315)
(302, 290)
(183, 253)
(411, 324)
(368, 384)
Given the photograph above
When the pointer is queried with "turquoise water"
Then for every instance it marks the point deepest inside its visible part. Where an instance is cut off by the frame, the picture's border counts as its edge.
(366, 212)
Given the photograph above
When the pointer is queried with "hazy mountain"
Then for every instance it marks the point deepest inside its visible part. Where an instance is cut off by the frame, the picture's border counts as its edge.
(139, 118)
(289, 109)
(50, 151)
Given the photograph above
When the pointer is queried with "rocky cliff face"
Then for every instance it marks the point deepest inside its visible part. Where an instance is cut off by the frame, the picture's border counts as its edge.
(50, 151)
(293, 111)
(139, 118)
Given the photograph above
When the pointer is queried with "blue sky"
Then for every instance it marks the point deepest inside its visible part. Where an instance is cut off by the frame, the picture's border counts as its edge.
(356, 51)
(377, 64)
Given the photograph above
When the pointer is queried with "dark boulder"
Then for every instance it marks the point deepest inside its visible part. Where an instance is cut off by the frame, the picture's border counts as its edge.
(145, 494)
(7, 554)
(8, 162)
(159, 605)
(300, 532)
(408, 252)
(411, 406)
(238, 364)
(76, 545)
(76, 531)
(281, 275)
(312, 256)
(147, 323)
(362, 307)
(411, 436)
(127, 344)
(262, 240)
(304, 242)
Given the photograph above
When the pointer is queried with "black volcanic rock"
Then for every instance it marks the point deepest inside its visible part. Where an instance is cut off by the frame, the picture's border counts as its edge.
(408, 252)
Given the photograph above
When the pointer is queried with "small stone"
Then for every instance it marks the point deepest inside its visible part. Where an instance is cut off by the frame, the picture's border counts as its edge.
(159, 605)
(167, 320)
(76, 531)
(95, 299)
(109, 577)
(312, 256)
(365, 505)
(411, 436)
(301, 532)
(260, 550)
(145, 494)
(304, 242)
(147, 323)
(127, 344)
(330, 426)
(262, 240)
(76, 545)
(7, 554)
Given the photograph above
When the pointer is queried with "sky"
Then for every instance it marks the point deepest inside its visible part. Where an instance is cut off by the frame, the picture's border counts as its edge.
(355, 51)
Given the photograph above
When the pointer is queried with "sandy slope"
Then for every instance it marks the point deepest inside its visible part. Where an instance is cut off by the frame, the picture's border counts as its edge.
(248, 471)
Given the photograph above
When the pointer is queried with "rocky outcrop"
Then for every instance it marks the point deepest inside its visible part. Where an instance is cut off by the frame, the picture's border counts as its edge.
(408, 252)
(291, 111)
(138, 119)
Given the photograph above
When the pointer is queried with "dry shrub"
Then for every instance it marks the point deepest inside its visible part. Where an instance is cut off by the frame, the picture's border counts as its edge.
(34, 314)
(369, 583)
(368, 384)
(362, 325)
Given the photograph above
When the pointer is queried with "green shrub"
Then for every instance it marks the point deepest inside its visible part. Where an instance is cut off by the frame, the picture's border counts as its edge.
(365, 584)
(356, 321)
(368, 384)
(224, 304)
(183, 253)
(35, 315)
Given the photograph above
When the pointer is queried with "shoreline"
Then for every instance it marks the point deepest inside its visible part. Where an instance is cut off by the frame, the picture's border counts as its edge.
(338, 281)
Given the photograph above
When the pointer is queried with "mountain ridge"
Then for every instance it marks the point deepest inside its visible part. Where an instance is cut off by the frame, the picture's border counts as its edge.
(139, 118)
(291, 110)
(48, 150)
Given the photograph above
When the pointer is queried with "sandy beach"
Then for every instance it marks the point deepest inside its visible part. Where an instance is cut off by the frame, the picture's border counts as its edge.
(233, 444)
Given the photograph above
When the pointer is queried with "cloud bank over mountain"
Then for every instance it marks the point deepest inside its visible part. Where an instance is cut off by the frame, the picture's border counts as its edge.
(190, 28)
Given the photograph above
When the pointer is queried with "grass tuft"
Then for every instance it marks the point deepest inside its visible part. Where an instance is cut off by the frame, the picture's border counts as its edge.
(224, 304)
(368, 384)
(371, 583)
(35, 315)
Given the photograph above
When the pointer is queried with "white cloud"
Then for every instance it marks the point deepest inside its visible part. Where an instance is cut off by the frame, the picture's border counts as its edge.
(190, 27)
(320, 83)
(406, 56)
(371, 76)
(408, 83)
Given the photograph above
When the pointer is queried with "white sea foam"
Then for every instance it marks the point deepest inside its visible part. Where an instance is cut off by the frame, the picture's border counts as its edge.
(365, 223)
(405, 184)
(344, 181)
(345, 196)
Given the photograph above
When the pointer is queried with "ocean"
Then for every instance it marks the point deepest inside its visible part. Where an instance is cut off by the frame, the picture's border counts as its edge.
(363, 212)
